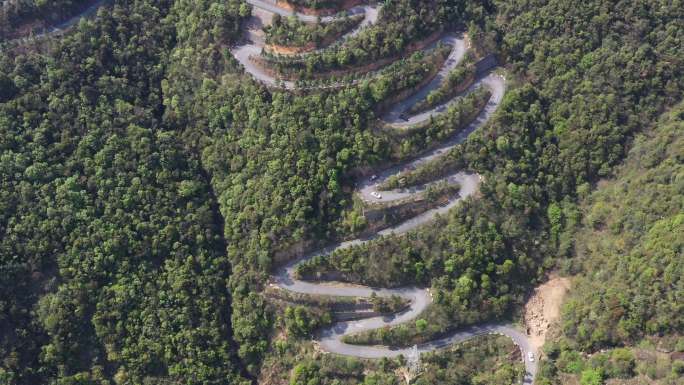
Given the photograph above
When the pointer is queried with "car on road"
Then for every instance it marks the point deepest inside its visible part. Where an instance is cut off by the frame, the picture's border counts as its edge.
(376, 195)
(530, 356)
(374, 177)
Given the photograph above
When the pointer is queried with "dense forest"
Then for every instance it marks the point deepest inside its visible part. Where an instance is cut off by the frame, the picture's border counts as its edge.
(149, 186)
(112, 253)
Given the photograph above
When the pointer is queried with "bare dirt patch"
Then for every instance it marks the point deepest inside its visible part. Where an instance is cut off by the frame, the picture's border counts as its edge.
(543, 308)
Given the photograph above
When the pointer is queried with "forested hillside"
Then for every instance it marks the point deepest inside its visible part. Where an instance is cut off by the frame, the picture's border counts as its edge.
(630, 282)
(112, 254)
(149, 186)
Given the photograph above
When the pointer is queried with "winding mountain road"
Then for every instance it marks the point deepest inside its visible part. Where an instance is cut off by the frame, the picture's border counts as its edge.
(330, 339)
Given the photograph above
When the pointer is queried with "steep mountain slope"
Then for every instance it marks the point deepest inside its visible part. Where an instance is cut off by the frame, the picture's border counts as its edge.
(630, 256)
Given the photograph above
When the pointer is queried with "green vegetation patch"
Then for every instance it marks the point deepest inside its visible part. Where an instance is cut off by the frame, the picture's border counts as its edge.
(433, 323)
(293, 33)
(319, 4)
(639, 365)
(380, 304)
(482, 360)
(112, 256)
(485, 360)
(437, 129)
(457, 80)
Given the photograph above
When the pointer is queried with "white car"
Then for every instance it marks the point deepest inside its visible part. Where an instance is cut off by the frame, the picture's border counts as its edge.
(376, 195)
(374, 177)
(530, 356)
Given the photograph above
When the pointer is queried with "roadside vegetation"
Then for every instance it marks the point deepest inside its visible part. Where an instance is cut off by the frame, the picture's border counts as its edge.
(366, 218)
(457, 81)
(436, 130)
(290, 32)
(403, 76)
(319, 4)
(491, 360)
(375, 303)
(391, 83)
(434, 323)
